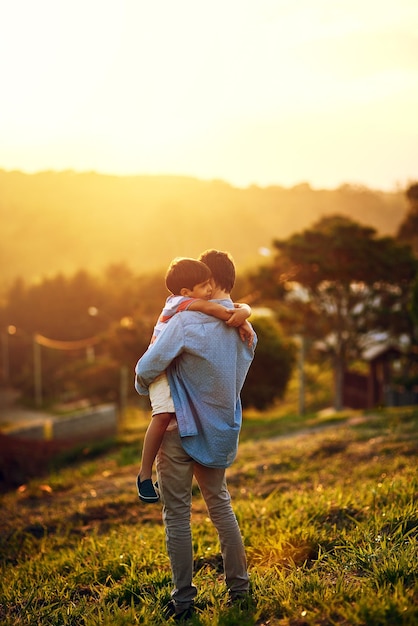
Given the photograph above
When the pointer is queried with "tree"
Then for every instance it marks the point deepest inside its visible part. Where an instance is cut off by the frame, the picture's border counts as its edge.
(408, 229)
(271, 368)
(349, 283)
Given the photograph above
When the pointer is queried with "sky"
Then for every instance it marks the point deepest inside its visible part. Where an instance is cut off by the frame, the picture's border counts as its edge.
(253, 92)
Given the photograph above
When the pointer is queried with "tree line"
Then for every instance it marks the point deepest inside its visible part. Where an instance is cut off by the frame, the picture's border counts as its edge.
(87, 329)
(68, 220)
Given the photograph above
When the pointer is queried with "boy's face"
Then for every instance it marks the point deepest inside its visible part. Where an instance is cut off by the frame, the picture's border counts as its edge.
(201, 290)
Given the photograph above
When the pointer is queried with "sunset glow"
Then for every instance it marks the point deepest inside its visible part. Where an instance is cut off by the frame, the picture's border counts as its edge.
(267, 92)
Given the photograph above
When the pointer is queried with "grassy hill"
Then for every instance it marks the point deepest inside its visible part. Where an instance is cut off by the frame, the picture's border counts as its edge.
(62, 221)
(328, 516)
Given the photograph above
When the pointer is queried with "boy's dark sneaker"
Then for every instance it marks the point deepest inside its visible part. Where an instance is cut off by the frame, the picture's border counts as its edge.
(170, 611)
(146, 491)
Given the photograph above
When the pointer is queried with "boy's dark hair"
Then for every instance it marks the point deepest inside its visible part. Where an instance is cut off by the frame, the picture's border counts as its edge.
(185, 272)
(222, 267)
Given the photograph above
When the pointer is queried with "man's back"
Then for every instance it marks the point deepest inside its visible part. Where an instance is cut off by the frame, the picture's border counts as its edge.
(206, 363)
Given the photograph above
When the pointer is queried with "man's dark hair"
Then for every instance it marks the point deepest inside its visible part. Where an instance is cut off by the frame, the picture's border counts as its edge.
(222, 267)
(185, 272)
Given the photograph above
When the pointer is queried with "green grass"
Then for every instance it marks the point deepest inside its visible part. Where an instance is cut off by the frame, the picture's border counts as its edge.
(329, 518)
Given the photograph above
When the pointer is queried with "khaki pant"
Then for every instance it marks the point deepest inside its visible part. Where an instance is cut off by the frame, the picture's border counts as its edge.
(175, 471)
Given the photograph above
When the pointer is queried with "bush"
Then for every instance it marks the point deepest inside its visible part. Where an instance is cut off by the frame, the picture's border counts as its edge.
(272, 366)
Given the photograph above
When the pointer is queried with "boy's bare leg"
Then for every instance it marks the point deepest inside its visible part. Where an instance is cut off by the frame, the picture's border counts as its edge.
(152, 442)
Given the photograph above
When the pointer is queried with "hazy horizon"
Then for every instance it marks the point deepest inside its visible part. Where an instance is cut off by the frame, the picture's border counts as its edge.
(63, 221)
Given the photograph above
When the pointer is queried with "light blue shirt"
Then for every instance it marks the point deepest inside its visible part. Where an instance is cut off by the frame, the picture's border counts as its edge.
(206, 363)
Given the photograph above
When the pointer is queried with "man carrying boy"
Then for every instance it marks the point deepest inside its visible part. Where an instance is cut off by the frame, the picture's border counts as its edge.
(190, 284)
(206, 363)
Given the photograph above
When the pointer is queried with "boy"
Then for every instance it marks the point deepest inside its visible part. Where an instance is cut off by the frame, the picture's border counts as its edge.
(189, 281)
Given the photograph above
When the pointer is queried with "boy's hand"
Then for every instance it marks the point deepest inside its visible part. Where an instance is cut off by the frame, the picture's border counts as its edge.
(238, 315)
(246, 333)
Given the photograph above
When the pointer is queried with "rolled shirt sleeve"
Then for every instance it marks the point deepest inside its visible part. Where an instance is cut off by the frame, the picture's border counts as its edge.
(159, 356)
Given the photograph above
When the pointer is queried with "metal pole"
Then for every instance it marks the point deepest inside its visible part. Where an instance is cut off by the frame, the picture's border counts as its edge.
(302, 347)
(90, 355)
(37, 372)
(6, 360)
(123, 394)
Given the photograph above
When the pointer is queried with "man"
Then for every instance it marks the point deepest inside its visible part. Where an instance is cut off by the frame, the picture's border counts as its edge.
(206, 363)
